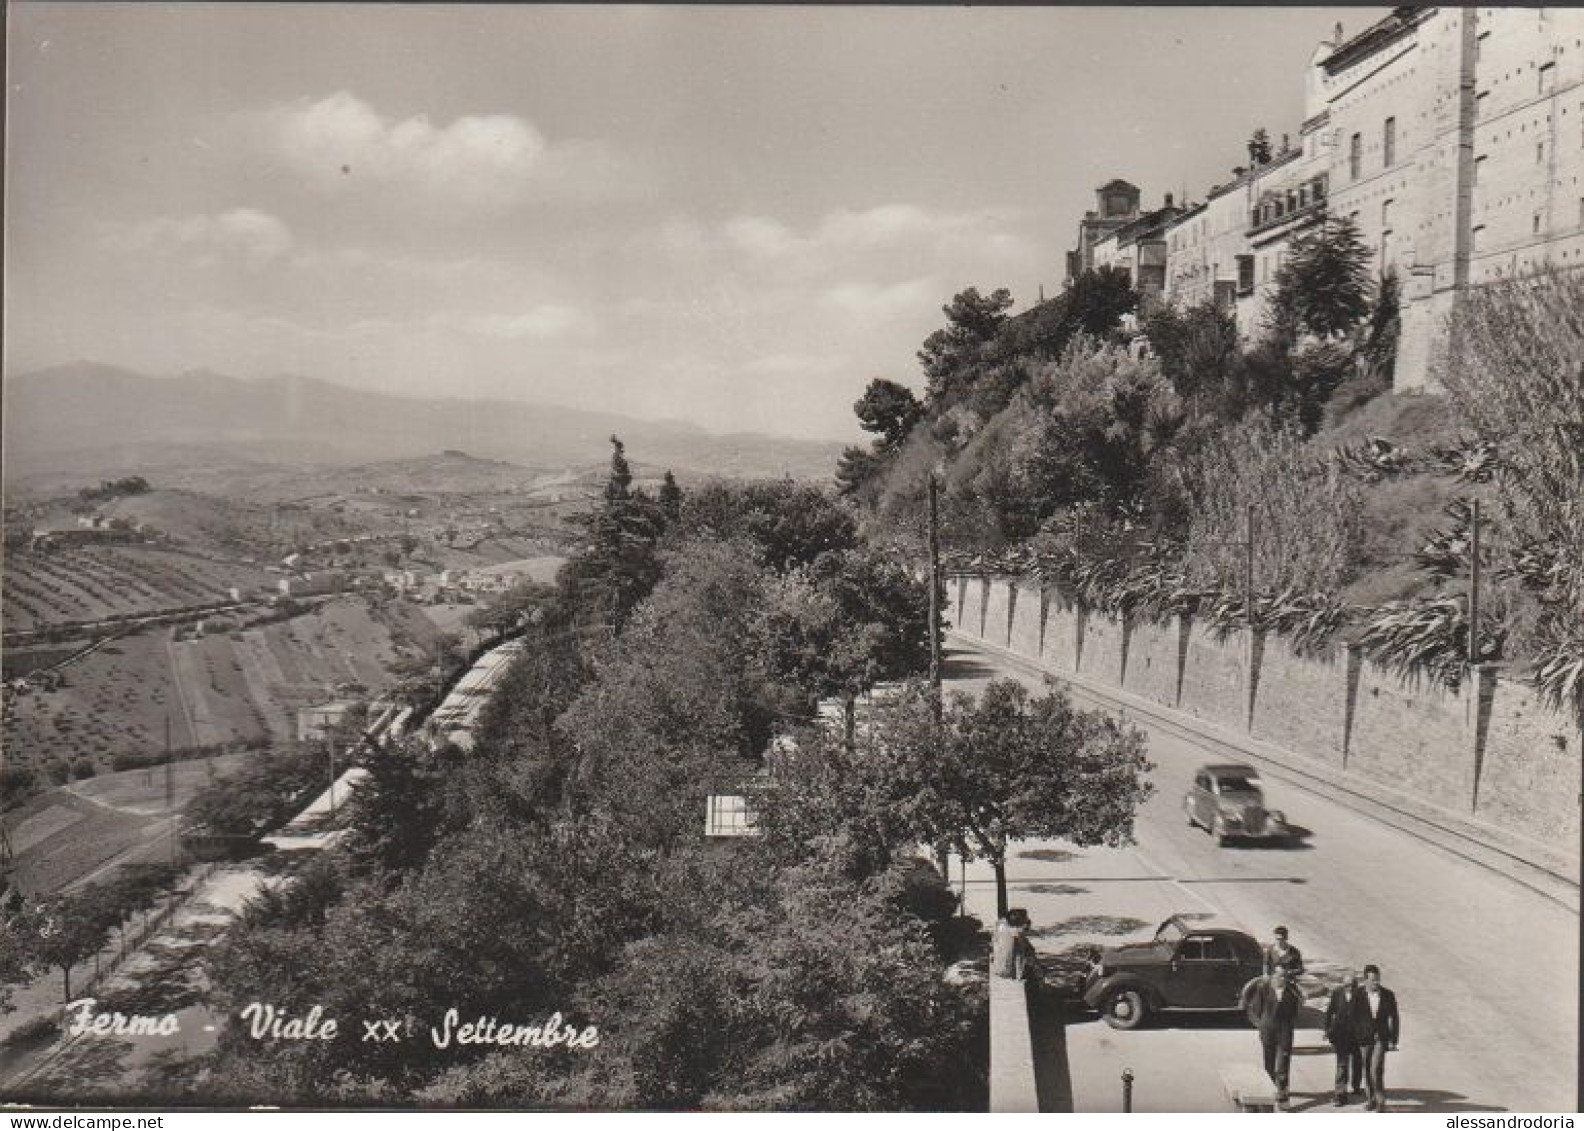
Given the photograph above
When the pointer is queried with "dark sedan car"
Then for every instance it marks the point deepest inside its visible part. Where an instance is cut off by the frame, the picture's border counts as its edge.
(1182, 967)
(1227, 802)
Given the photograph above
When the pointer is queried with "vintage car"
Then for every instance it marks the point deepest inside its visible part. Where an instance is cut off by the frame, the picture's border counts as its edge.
(1226, 801)
(1182, 967)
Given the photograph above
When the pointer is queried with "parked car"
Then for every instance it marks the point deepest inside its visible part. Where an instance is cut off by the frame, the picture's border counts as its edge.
(1226, 801)
(1182, 967)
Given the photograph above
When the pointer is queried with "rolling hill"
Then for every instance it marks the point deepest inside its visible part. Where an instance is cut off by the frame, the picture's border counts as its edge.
(86, 421)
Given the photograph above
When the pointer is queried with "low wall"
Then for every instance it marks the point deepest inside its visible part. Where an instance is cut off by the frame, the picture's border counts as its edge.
(1489, 753)
(1014, 1085)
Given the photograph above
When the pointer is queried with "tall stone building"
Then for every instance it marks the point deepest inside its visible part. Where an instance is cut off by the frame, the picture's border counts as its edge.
(1116, 204)
(1454, 137)
(1139, 248)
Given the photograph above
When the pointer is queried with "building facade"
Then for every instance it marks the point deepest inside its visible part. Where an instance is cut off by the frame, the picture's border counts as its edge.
(1116, 204)
(1453, 137)
(1139, 248)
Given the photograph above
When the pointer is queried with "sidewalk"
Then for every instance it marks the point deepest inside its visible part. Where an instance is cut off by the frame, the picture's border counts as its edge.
(164, 975)
(1467, 839)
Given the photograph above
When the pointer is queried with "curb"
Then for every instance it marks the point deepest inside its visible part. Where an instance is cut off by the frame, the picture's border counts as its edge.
(1458, 840)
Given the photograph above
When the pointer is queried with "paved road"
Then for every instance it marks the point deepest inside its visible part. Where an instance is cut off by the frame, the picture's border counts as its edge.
(1486, 970)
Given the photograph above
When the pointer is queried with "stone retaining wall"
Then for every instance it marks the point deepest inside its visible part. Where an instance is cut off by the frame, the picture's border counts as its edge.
(1489, 753)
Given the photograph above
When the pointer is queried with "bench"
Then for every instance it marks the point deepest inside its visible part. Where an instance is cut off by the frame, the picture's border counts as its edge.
(1248, 1088)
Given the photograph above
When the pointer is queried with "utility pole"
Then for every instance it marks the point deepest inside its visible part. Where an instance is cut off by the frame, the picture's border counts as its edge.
(1248, 575)
(1474, 585)
(934, 598)
(942, 852)
(170, 790)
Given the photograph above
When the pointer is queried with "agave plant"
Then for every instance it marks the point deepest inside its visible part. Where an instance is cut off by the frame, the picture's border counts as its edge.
(1471, 460)
(1539, 567)
(1446, 553)
(1375, 459)
(1427, 638)
(1226, 611)
(1558, 675)
(1310, 620)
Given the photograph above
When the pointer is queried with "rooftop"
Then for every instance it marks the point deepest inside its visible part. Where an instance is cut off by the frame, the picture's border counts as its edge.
(1377, 36)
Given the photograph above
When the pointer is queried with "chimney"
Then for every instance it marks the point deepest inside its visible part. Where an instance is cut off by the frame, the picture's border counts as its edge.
(1168, 200)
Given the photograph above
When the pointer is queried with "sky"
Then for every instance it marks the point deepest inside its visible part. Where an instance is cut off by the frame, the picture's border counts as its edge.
(735, 216)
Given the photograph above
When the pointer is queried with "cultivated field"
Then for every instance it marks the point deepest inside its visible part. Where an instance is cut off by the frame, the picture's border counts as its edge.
(232, 688)
(94, 582)
(78, 833)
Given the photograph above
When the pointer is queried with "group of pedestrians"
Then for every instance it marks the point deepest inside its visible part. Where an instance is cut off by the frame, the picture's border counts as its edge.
(1361, 1024)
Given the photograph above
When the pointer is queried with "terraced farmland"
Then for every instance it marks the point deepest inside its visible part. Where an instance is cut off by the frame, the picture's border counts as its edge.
(242, 687)
(93, 582)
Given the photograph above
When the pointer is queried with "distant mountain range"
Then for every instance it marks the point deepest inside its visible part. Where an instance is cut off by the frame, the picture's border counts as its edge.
(78, 423)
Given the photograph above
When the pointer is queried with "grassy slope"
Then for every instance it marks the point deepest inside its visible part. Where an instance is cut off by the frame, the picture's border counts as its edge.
(1399, 514)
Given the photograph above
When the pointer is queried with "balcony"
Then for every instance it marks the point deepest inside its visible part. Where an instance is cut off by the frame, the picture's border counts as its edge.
(1278, 208)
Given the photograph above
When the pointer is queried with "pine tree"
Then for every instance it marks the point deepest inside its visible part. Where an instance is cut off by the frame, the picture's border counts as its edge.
(619, 566)
(1324, 287)
(670, 500)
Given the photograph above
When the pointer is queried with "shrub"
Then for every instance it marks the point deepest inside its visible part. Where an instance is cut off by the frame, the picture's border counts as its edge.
(1307, 528)
(39, 1031)
(15, 782)
(1515, 374)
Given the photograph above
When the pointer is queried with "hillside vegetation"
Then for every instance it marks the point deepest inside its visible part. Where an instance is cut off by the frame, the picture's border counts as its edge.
(1142, 462)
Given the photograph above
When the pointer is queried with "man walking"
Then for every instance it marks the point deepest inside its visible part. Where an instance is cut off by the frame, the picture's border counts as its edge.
(1347, 1028)
(1272, 1003)
(1378, 1009)
(1284, 954)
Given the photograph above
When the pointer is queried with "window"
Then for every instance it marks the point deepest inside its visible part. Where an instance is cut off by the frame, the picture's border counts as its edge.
(1534, 228)
(1545, 78)
(1581, 212)
(1479, 164)
(1245, 282)
(1386, 208)
(1539, 153)
(1479, 236)
(729, 815)
(1219, 949)
(1389, 142)
(1356, 156)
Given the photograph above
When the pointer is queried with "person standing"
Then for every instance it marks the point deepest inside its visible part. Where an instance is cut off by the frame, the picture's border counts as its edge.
(1378, 1009)
(1272, 1003)
(1284, 954)
(1347, 1028)
(1011, 953)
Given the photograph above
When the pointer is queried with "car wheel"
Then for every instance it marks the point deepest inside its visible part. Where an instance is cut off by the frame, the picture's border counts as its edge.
(1125, 1009)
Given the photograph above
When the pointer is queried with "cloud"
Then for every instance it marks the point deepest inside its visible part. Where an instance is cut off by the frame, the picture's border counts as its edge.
(871, 300)
(243, 235)
(889, 241)
(760, 237)
(540, 323)
(487, 163)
